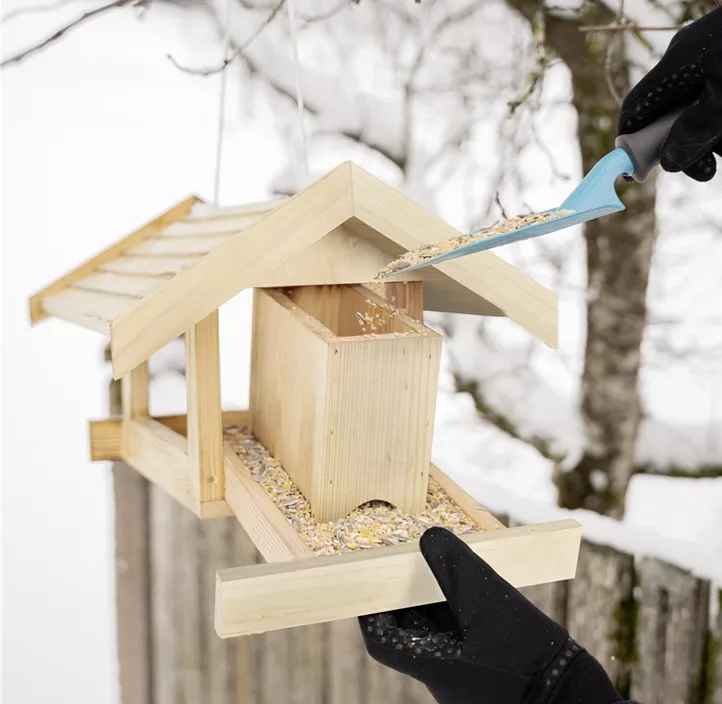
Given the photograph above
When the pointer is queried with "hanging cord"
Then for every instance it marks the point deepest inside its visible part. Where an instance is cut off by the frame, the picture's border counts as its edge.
(299, 94)
(222, 105)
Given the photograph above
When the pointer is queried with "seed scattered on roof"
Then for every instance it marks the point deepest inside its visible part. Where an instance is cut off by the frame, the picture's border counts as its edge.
(371, 525)
(429, 251)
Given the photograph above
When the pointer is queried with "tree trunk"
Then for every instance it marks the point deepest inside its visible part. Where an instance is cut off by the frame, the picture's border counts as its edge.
(619, 257)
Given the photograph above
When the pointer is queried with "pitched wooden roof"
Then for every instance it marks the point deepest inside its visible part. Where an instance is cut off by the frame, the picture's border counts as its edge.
(156, 283)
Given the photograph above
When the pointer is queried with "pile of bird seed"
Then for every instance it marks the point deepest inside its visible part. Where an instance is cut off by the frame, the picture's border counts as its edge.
(429, 251)
(371, 525)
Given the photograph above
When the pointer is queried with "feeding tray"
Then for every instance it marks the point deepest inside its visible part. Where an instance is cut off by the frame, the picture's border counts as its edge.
(329, 470)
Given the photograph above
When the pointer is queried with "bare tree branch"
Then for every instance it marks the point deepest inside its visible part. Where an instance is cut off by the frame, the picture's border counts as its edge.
(542, 61)
(84, 18)
(237, 52)
(629, 28)
(33, 10)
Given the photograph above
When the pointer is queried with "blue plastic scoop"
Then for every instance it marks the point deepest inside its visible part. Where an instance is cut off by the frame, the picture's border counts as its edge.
(636, 156)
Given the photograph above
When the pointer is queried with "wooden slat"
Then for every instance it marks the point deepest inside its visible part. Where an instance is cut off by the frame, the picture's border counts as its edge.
(160, 455)
(150, 266)
(307, 672)
(320, 589)
(106, 435)
(395, 216)
(204, 228)
(480, 515)
(346, 662)
(135, 393)
(180, 246)
(551, 598)
(716, 684)
(131, 286)
(208, 211)
(672, 634)
(88, 309)
(132, 585)
(220, 275)
(106, 438)
(272, 534)
(605, 578)
(38, 310)
(165, 546)
(205, 424)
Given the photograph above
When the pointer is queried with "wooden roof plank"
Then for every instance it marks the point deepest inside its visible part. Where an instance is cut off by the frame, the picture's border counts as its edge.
(208, 211)
(523, 300)
(154, 266)
(133, 286)
(180, 246)
(37, 309)
(203, 228)
(88, 309)
(220, 275)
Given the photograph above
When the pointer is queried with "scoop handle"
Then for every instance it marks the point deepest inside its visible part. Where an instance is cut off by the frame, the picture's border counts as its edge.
(645, 145)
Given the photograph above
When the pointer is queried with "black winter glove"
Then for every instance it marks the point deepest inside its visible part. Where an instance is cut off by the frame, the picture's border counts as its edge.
(487, 644)
(689, 73)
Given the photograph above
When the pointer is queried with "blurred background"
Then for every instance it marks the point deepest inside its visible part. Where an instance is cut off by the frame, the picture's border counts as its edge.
(478, 109)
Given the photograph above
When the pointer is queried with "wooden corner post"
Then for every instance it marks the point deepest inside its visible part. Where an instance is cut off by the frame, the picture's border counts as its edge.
(205, 422)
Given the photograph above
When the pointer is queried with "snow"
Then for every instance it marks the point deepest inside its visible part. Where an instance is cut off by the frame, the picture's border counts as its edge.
(103, 134)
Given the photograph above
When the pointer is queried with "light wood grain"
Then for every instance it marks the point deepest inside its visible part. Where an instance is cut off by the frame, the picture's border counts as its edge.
(135, 392)
(272, 534)
(209, 211)
(203, 228)
(150, 266)
(205, 424)
(179, 246)
(131, 286)
(481, 516)
(350, 418)
(105, 436)
(395, 216)
(105, 439)
(160, 455)
(407, 295)
(89, 309)
(38, 310)
(220, 275)
(262, 598)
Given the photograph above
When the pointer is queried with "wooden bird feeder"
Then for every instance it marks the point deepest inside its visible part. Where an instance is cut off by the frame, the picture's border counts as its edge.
(343, 386)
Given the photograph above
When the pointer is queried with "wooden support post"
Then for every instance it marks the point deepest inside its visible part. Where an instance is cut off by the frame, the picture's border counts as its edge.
(205, 423)
(135, 397)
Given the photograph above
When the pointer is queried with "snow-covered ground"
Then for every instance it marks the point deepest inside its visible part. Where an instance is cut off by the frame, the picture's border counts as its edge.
(101, 133)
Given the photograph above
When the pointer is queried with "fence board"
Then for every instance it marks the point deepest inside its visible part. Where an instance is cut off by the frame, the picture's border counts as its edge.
(346, 659)
(164, 602)
(600, 598)
(672, 635)
(715, 671)
(132, 585)
(308, 649)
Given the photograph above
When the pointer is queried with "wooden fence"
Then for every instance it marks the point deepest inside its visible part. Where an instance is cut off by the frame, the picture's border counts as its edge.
(648, 623)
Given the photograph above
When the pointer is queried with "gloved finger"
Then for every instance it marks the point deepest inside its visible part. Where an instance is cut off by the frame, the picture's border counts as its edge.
(384, 634)
(500, 626)
(471, 587)
(661, 91)
(699, 129)
(702, 170)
